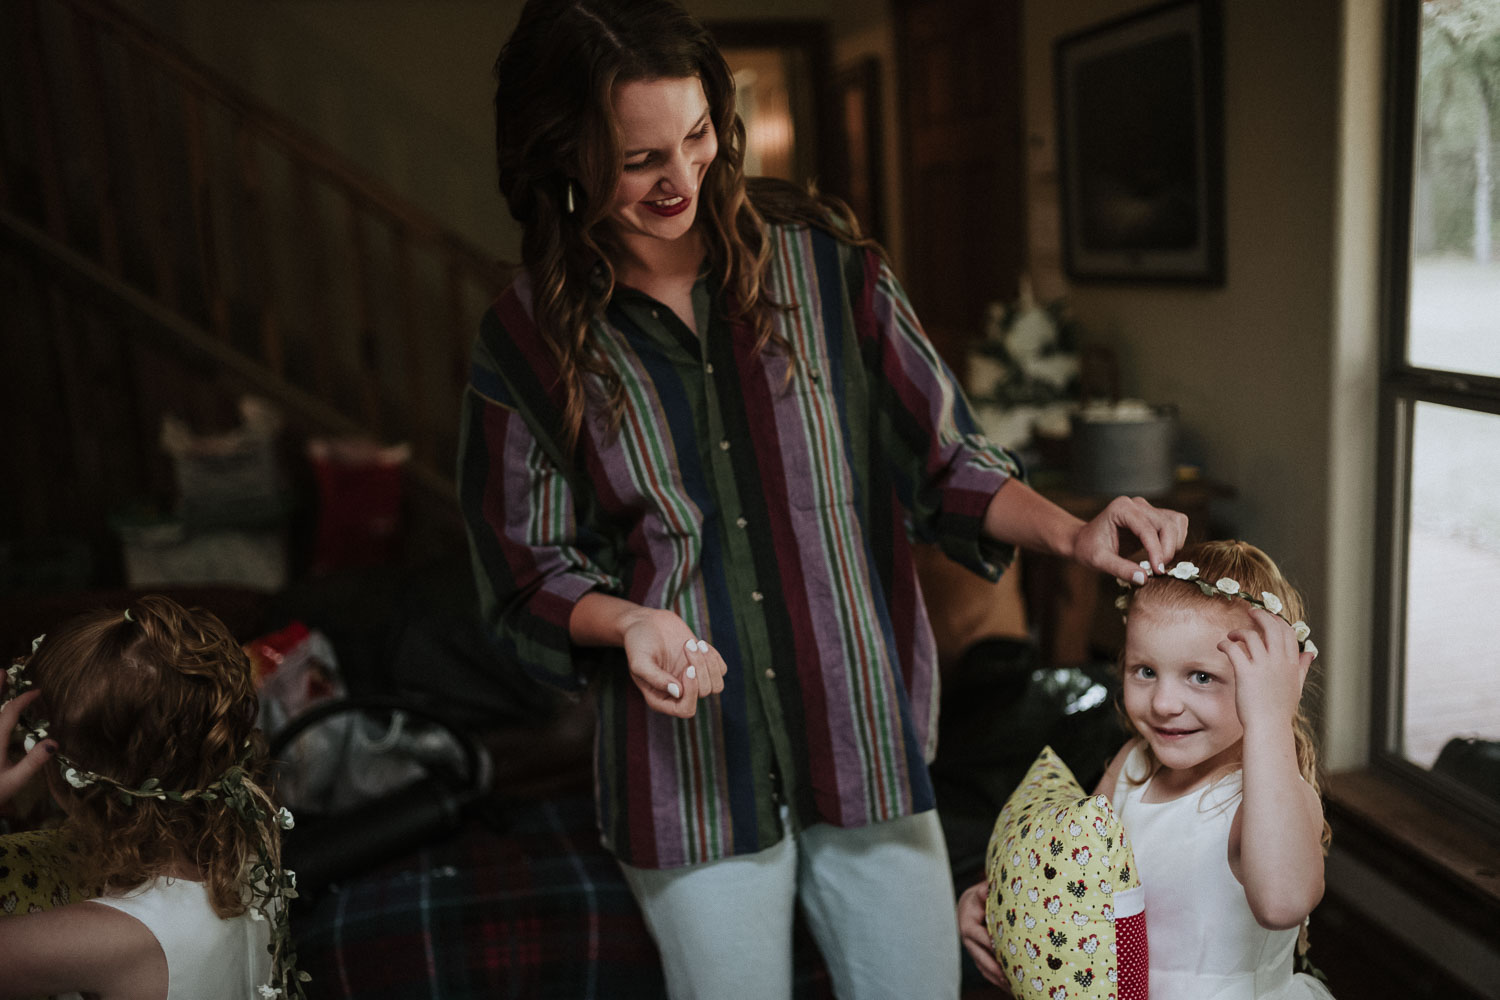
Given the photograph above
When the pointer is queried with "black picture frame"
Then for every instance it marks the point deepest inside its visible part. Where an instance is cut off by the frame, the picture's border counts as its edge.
(1140, 142)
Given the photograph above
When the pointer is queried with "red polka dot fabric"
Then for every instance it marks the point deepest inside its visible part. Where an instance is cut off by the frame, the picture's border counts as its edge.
(1132, 961)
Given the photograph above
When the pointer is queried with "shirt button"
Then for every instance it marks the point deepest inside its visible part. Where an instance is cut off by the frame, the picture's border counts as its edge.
(724, 445)
(757, 596)
(740, 522)
(770, 674)
(709, 367)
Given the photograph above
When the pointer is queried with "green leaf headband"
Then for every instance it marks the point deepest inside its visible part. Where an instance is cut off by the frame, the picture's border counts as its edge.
(271, 887)
(1226, 588)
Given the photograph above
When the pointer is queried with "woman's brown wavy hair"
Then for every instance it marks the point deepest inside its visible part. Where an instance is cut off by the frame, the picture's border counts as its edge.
(1256, 573)
(555, 128)
(165, 694)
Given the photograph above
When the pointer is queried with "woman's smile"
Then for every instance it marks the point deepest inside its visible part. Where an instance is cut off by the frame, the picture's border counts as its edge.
(668, 207)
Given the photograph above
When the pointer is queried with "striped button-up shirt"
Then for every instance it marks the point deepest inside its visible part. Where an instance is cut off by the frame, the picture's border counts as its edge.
(774, 517)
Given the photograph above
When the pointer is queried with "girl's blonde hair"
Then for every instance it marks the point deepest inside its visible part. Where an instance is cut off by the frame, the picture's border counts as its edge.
(1256, 573)
(154, 691)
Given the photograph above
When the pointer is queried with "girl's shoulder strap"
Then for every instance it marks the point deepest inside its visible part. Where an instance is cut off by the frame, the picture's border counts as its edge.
(1134, 771)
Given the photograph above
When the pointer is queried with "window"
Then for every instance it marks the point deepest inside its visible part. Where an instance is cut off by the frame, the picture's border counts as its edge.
(1437, 716)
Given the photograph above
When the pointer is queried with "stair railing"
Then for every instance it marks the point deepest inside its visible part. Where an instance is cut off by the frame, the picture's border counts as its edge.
(175, 183)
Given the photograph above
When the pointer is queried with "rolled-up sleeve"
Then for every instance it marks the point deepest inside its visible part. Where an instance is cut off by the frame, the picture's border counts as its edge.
(945, 470)
(532, 563)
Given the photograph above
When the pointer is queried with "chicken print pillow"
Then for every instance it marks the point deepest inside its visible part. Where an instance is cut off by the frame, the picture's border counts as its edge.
(1065, 910)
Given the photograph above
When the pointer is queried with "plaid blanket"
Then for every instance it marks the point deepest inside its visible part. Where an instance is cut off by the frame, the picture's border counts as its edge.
(537, 909)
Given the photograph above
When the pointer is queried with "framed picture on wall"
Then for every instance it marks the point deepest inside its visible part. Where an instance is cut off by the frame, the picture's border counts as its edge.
(1141, 146)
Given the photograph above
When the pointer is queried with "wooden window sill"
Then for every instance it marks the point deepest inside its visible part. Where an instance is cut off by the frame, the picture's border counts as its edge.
(1450, 864)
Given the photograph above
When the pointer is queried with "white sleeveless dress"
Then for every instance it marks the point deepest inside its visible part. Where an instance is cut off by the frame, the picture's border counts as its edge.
(1204, 942)
(207, 955)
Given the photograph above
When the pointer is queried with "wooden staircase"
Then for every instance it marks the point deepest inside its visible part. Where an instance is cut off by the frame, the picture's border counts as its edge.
(167, 244)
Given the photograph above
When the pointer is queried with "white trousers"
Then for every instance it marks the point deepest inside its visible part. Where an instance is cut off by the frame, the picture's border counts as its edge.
(879, 901)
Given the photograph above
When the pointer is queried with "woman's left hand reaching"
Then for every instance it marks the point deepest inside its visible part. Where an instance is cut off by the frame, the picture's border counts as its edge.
(1161, 533)
(14, 776)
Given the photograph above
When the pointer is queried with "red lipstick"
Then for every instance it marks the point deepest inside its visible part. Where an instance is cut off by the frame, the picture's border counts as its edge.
(670, 208)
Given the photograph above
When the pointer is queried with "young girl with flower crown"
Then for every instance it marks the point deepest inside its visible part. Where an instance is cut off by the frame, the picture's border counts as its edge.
(1217, 788)
(143, 723)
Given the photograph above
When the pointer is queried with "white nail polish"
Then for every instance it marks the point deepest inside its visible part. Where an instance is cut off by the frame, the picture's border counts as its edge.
(691, 646)
(702, 645)
(1161, 567)
(1139, 577)
(692, 673)
(674, 690)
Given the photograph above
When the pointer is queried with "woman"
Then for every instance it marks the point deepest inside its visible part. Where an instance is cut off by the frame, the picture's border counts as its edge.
(702, 430)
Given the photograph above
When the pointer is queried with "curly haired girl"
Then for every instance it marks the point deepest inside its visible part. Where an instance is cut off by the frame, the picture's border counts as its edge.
(149, 715)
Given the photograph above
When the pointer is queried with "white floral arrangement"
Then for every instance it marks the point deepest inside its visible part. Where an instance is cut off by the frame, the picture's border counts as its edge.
(1227, 588)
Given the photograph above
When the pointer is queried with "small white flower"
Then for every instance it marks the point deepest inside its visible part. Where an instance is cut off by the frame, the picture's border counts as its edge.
(1301, 629)
(1184, 571)
(76, 779)
(37, 641)
(291, 877)
(284, 818)
(257, 915)
(1145, 565)
(1271, 601)
(1228, 586)
(1122, 602)
(1308, 647)
(270, 992)
(30, 741)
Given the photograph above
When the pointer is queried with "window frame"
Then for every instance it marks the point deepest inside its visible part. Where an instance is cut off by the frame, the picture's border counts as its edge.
(1402, 387)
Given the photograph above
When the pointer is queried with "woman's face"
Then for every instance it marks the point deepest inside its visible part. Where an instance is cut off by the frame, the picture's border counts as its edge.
(668, 138)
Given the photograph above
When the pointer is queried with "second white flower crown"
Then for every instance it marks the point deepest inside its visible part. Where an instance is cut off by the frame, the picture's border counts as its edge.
(1226, 588)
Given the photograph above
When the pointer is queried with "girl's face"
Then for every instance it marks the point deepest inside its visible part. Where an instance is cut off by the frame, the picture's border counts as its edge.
(1179, 688)
(669, 141)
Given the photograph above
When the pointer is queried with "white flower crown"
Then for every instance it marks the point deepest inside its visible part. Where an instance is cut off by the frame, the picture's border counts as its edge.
(1226, 588)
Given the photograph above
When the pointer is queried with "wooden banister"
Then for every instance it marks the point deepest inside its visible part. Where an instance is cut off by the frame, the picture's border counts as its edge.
(235, 231)
(171, 59)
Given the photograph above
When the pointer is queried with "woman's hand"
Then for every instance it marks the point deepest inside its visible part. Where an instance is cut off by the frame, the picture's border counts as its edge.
(1161, 533)
(976, 936)
(1269, 670)
(670, 665)
(13, 777)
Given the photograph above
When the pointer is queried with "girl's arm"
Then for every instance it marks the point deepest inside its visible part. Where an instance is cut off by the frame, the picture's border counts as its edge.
(1275, 844)
(1021, 516)
(82, 947)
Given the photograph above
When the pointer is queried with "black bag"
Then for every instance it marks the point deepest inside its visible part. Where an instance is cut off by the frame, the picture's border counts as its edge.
(446, 772)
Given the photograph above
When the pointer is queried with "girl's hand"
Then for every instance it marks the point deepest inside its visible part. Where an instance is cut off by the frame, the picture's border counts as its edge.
(1161, 533)
(13, 777)
(1269, 670)
(976, 936)
(670, 665)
